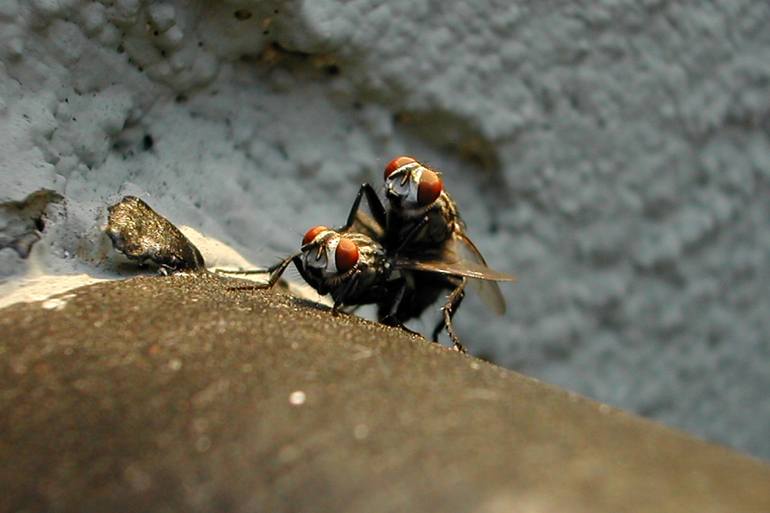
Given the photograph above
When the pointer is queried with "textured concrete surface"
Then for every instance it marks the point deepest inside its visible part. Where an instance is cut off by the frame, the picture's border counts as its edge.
(615, 155)
(176, 394)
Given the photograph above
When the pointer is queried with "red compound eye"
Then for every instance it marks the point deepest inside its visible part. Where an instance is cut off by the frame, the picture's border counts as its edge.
(346, 255)
(430, 188)
(312, 234)
(397, 163)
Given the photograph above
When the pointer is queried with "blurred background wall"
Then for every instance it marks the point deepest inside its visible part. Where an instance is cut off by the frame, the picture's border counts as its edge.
(615, 155)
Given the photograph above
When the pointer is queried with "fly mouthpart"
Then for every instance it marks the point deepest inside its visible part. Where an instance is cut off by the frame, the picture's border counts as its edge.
(404, 184)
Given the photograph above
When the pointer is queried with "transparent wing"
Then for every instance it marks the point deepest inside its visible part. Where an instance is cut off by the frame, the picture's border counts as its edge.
(368, 225)
(459, 268)
(489, 291)
(483, 278)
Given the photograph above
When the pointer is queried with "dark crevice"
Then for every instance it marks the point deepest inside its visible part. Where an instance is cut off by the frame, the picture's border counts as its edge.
(147, 142)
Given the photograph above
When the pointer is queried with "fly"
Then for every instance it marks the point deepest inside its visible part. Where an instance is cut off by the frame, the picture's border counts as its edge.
(351, 267)
(421, 212)
(422, 225)
(356, 269)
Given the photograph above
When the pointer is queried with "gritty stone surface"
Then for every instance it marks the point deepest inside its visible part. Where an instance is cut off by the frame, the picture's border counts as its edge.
(615, 155)
(178, 394)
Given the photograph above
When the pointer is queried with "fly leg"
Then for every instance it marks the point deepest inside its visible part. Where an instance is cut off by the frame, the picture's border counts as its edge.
(244, 272)
(454, 300)
(375, 205)
(391, 318)
(275, 272)
(348, 288)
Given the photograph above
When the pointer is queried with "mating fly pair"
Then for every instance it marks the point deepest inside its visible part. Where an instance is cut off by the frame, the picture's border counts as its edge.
(401, 257)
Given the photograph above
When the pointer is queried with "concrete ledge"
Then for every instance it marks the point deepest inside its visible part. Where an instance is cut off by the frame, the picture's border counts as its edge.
(176, 394)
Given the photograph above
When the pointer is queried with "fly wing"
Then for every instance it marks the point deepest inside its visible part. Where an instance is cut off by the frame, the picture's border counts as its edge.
(459, 268)
(489, 291)
(368, 225)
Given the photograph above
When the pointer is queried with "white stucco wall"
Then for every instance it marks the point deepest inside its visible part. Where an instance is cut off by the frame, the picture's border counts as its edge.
(615, 155)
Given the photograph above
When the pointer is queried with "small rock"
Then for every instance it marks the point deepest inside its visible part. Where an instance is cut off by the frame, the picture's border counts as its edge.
(140, 233)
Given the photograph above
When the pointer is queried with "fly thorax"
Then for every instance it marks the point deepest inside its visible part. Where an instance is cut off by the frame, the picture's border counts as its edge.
(439, 226)
(372, 257)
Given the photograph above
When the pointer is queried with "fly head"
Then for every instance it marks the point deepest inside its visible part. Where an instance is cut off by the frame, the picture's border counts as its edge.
(327, 257)
(411, 187)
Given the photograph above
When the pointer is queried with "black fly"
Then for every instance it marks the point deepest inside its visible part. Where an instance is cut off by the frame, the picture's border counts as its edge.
(350, 266)
(356, 270)
(422, 225)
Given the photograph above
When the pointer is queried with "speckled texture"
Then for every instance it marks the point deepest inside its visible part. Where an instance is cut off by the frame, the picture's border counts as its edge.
(615, 155)
(177, 394)
(141, 234)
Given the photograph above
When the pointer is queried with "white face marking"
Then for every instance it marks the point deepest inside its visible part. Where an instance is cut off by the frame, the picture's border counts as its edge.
(408, 191)
(327, 262)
